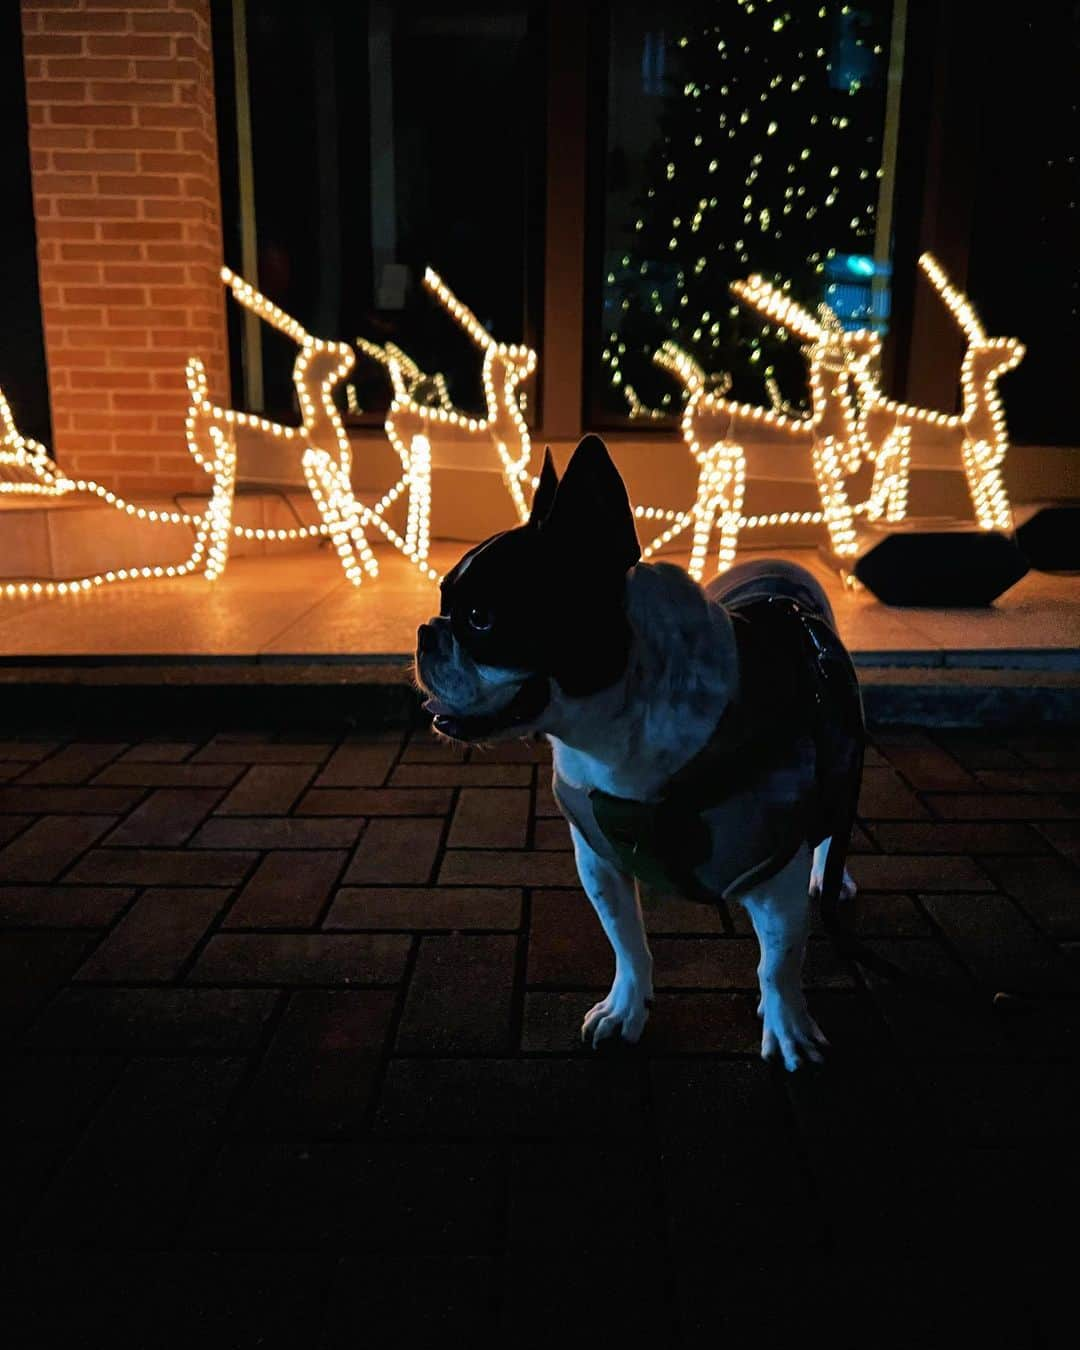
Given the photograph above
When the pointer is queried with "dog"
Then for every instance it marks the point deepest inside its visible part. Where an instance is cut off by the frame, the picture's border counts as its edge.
(703, 740)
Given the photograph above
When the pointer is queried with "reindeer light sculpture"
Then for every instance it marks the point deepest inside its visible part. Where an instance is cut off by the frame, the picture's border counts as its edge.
(977, 434)
(25, 466)
(429, 391)
(326, 458)
(213, 527)
(417, 432)
(718, 432)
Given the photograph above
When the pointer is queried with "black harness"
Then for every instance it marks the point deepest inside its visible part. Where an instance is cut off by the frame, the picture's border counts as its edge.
(775, 773)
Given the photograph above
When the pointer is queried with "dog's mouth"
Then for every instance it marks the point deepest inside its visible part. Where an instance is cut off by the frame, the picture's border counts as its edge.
(527, 704)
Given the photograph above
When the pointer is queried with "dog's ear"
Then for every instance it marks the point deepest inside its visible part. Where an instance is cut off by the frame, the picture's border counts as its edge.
(544, 497)
(591, 511)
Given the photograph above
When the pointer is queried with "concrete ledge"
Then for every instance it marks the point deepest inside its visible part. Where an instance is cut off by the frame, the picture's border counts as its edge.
(379, 692)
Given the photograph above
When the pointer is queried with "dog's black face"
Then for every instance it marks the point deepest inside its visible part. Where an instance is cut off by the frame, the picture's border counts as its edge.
(542, 602)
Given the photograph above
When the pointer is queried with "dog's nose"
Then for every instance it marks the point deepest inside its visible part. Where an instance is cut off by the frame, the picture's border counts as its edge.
(425, 638)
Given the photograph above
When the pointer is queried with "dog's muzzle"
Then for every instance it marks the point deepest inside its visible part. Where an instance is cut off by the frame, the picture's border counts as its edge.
(526, 706)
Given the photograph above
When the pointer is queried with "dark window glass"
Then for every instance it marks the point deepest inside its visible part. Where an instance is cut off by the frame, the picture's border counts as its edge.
(23, 375)
(387, 139)
(739, 137)
(1024, 275)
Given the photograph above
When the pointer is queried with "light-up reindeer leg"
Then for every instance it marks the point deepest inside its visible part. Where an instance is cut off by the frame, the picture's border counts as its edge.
(732, 466)
(219, 509)
(417, 524)
(835, 506)
(889, 489)
(985, 485)
(719, 494)
(332, 494)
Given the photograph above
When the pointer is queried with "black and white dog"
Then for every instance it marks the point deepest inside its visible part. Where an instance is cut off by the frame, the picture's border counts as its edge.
(704, 741)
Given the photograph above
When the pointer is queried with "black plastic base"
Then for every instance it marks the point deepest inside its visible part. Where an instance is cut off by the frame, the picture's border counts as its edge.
(1048, 535)
(934, 564)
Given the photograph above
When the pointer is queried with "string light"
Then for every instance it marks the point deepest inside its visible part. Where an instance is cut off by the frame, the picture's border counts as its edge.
(429, 390)
(416, 431)
(25, 467)
(210, 548)
(978, 433)
(717, 432)
(210, 433)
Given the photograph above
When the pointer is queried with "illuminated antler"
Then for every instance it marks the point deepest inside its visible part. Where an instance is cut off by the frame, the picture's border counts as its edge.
(462, 313)
(246, 295)
(771, 302)
(957, 303)
(671, 357)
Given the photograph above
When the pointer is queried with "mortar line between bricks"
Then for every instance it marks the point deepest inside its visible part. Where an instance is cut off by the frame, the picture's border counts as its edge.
(220, 1136)
(397, 1013)
(1018, 904)
(530, 819)
(122, 748)
(214, 926)
(104, 935)
(331, 895)
(74, 862)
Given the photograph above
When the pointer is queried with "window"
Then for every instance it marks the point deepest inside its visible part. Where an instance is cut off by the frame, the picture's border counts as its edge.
(1024, 272)
(738, 137)
(386, 139)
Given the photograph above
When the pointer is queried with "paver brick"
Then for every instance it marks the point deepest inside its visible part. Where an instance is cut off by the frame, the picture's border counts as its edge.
(1000, 945)
(228, 752)
(167, 816)
(287, 890)
(126, 773)
(301, 958)
(219, 1021)
(75, 763)
(319, 1070)
(61, 906)
(68, 800)
(919, 836)
(912, 872)
(461, 775)
(162, 867)
(1048, 888)
(999, 806)
(50, 845)
(522, 867)
(425, 907)
(267, 789)
(277, 832)
(395, 851)
(359, 764)
(156, 936)
(490, 818)
(460, 995)
(375, 802)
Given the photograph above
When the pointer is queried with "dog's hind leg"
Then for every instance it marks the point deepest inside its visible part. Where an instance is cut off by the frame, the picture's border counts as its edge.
(614, 897)
(779, 911)
(817, 873)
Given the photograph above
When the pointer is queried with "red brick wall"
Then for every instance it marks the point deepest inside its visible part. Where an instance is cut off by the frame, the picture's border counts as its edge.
(123, 148)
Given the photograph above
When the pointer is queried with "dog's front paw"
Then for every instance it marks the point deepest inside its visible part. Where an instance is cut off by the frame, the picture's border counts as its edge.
(790, 1031)
(622, 1014)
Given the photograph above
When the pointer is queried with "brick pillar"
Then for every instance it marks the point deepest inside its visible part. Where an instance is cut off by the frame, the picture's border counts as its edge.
(123, 147)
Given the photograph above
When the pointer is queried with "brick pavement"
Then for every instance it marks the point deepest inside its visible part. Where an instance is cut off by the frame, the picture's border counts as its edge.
(291, 1059)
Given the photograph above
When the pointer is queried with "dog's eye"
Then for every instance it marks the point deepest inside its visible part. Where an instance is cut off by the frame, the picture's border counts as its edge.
(480, 619)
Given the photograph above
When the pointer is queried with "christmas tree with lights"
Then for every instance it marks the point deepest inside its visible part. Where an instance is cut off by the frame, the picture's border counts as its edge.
(768, 161)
